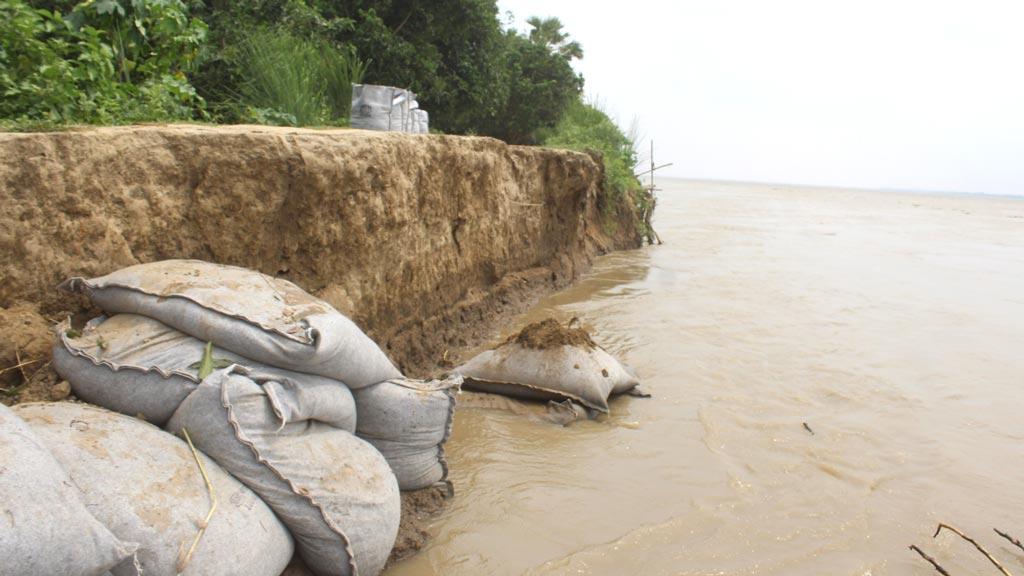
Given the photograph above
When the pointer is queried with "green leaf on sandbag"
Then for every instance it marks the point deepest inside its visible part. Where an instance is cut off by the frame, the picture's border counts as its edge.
(208, 363)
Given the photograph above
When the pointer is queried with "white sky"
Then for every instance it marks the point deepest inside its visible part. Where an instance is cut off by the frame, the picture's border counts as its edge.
(925, 95)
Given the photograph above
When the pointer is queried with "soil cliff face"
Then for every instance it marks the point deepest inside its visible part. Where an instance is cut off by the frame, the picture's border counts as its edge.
(422, 240)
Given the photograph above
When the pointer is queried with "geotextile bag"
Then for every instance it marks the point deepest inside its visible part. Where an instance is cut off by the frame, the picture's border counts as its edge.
(138, 366)
(546, 361)
(45, 528)
(147, 487)
(334, 491)
(409, 421)
(266, 319)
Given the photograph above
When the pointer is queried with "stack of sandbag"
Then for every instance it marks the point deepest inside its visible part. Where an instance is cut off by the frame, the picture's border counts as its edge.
(334, 491)
(548, 361)
(387, 108)
(272, 383)
(147, 486)
(143, 360)
(45, 527)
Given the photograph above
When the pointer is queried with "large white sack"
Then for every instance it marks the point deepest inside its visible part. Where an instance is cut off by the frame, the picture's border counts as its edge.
(138, 366)
(260, 317)
(548, 362)
(146, 486)
(409, 421)
(45, 528)
(334, 491)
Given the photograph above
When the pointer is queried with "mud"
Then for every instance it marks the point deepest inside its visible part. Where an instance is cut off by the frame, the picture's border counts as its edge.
(549, 333)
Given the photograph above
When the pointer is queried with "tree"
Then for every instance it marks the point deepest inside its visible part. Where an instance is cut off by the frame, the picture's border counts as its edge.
(547, 32)
(542, 85)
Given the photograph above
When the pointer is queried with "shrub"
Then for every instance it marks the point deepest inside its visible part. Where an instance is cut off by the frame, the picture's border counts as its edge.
(59, 70)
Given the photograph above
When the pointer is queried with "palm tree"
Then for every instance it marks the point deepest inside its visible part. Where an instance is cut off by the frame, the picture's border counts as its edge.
(548, 32)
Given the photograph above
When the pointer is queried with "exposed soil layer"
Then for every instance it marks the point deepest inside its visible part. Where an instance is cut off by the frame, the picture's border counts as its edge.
(425, 241)
(550, 334)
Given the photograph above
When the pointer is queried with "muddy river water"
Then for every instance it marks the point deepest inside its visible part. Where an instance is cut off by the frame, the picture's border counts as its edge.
(891, 324)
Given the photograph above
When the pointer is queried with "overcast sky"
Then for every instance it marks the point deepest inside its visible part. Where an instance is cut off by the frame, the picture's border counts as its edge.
(924, 95)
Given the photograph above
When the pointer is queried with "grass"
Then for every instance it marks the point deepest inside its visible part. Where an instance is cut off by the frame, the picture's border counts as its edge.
(294, 81)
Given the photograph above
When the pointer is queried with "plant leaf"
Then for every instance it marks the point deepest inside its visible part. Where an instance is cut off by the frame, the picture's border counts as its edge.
(206, 364)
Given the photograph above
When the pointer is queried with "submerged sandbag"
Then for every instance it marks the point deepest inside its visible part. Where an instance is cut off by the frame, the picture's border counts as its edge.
(409, 421)
(45, 528)
(334, 491)
(147, 487)
(266, 319)
(547, 361)
(138, 366)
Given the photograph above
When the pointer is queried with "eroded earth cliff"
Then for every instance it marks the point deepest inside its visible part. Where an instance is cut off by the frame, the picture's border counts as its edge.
(423, 240)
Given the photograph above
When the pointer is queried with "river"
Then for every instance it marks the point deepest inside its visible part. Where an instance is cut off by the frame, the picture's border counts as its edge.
(892, 324)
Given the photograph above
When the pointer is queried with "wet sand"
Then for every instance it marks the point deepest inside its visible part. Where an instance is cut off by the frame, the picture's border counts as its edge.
(891, 324)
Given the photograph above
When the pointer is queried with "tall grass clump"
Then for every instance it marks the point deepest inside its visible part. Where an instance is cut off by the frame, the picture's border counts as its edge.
(296, 81)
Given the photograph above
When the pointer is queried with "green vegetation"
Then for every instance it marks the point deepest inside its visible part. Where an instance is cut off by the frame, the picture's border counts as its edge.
(294, 81)
(585, 127)
(100, 63)
(292, 62)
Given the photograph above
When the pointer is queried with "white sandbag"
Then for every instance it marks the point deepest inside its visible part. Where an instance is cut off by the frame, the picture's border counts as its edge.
(45, 527)
(334, 491)
(140, 367)
(266, 319)
(409, 421)
(146, 486)
(383, 108)
(548, 362)
(421, 121)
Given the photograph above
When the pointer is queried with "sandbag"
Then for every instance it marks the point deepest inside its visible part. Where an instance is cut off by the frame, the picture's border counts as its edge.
(146, 486)
(409, 421)
(45, 528)
(384, 108)
(334, 491)
(266, 319)
(140, 367)
(549, 362)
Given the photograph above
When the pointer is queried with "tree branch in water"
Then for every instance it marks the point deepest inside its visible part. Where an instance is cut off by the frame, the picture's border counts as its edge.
(1012, 540)
(930, 560)
(976, 545)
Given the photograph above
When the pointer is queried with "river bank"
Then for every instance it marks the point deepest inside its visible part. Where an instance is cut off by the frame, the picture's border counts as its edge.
(427, 242)
(889, 323)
